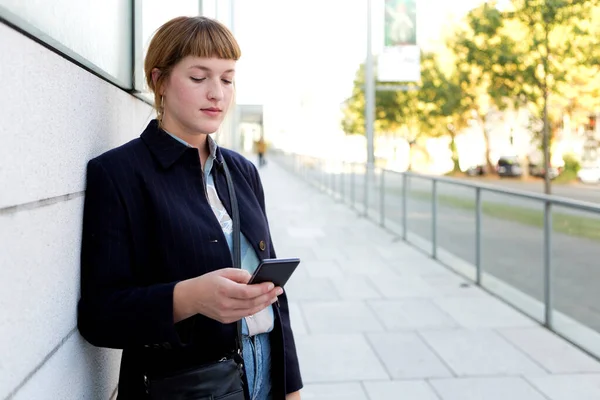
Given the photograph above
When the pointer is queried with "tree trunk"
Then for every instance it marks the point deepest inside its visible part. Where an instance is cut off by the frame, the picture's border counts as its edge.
(547, 183)
(454, 150)
(546, 141)
(489, 165)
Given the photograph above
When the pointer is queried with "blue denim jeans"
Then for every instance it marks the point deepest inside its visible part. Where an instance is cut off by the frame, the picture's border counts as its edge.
(257, 362)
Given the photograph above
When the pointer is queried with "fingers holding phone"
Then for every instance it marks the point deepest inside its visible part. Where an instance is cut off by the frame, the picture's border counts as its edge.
(224, 295)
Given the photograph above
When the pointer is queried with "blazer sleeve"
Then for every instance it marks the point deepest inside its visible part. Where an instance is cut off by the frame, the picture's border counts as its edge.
(113, 312)
(293, 379)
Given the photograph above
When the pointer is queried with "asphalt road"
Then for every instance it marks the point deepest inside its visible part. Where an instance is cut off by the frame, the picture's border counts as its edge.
(511, 251)
(394, 184)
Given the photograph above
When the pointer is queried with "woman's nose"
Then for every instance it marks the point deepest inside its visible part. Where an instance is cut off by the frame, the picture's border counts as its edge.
(215, 90)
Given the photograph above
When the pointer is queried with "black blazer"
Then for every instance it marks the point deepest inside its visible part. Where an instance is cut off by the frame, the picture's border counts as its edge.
(147, 224)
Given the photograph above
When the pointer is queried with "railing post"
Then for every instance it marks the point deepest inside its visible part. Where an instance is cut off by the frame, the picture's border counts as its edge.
(323, 177)
(404, 206)
(343, 188)
(367, 171)
(548, 264)
(327, 179)
(434, 219)
(382, 198)
(304, 167)
(478, 235)
(338, 183)
(320, 164)
(331, 181)
(352, 188)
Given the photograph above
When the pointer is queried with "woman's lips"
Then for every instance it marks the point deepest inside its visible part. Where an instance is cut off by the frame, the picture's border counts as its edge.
(213, 112)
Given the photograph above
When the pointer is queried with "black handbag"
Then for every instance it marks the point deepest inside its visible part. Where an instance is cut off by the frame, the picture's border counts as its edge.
(222, 380)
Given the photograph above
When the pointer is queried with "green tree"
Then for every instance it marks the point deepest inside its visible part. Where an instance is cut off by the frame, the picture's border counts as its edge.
(542, 54)
(353, 110)
(484, 58)
(553, 38)
(446, 114)
(430, 109)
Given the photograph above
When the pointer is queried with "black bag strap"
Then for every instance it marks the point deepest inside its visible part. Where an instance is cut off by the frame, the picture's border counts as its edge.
(237, 253)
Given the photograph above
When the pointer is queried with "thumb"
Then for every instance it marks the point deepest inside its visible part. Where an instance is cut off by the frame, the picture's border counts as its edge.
(235, 274)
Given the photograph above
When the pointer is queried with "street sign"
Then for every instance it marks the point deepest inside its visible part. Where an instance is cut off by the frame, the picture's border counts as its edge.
(400, 60)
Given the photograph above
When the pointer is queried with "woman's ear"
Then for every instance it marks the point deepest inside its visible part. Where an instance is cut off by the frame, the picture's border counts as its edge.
(155, 75)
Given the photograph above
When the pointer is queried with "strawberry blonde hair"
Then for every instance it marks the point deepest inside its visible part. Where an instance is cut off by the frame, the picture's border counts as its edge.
(182, 37)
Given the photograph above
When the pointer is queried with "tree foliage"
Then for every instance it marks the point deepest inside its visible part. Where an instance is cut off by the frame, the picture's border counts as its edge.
(432, 109)
(530, 53)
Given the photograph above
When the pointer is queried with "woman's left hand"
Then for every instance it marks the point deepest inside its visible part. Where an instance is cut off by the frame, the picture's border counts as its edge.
(293, 396)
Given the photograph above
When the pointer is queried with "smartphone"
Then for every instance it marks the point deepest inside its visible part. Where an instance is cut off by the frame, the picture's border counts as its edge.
(276, 270)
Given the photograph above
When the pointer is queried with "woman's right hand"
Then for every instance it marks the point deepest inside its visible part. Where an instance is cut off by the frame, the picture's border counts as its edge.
(222, 295)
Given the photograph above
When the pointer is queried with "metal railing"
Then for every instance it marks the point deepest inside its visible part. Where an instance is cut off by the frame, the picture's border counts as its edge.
(394, 199)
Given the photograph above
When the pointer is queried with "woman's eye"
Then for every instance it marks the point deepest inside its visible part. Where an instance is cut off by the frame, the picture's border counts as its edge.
(197, 79)
(227, 82)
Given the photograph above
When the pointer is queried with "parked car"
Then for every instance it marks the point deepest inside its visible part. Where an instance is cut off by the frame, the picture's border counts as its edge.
(475, 170)
(509, 166)
(589, 175)
(539, 171)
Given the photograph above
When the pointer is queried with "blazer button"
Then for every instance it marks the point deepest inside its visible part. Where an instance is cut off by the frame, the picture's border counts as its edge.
(262, 246)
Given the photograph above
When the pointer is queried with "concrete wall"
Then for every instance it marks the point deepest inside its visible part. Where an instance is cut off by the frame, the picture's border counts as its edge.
(54, 117)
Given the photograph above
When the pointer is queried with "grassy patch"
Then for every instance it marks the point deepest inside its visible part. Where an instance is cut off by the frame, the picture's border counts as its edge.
(455, 174)
(567, 176)
(573, 225)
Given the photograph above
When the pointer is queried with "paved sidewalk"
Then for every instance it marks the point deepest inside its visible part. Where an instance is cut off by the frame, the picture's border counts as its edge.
(375, 318)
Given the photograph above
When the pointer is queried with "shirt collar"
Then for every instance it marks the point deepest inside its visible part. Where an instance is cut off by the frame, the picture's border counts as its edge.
(212, 145)
(168, 148)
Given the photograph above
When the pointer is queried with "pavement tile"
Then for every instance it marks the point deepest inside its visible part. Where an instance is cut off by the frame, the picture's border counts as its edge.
(549, 350)
(328, 253)
(397, 250)
(568, 387)
(482, 312)
(289, 249)
(412, 267)
(334, 391)
(411, 314)
(406, 356)
(312, 233)
(497, 388)
(366, 267)
(479, 352)
(355, 287)
(449, 284)
(394, 287)
(297, 319)
(338, 358)
(310, 289)
(413, 390)
(340, 317)
(323, 269)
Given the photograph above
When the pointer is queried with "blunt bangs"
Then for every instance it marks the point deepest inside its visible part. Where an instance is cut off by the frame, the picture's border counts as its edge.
(209, 39)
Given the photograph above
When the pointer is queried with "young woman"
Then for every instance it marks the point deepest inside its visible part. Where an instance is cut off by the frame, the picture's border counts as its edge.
(157, 275)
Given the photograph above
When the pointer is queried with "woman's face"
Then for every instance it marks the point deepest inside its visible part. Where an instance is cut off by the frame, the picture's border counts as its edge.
(197, 95)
